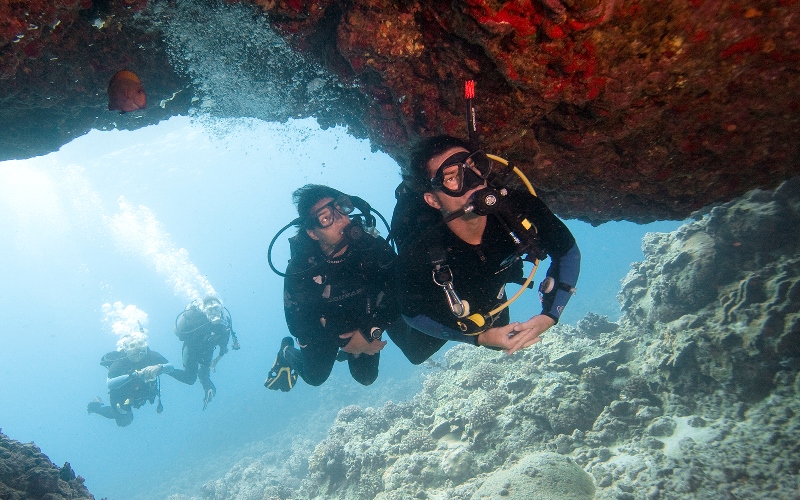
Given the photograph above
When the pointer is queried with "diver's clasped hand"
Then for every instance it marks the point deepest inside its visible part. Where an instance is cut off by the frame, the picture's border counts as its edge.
(150, 373)
(359, 345)
(515, 336)
(499, 336)
(528, 333)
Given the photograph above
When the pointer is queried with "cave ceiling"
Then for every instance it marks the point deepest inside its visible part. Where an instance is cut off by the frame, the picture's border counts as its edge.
(615, 109)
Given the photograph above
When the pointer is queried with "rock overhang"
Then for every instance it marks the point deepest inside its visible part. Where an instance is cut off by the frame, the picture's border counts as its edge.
(614, 109)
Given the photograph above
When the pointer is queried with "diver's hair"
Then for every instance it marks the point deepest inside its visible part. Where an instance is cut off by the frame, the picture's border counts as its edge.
(308, 196)
(427, 148)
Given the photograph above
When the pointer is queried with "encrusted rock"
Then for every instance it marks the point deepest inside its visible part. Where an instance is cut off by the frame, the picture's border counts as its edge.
(545, 476)
(26, 472)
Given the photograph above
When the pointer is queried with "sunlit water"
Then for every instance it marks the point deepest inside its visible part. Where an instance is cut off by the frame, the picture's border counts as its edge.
(154, 217)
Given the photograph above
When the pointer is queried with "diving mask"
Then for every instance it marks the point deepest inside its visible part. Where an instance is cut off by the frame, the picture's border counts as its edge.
(135, 349)
(326, 215)
(213, 310)
(461, 172)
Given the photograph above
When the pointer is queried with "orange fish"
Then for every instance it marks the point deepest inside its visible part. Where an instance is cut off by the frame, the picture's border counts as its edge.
(125, 92)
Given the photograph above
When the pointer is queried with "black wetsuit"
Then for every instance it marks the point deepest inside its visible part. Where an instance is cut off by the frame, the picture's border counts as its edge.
(479, 276)
(200, 338)
(133, 393)
(324, 298)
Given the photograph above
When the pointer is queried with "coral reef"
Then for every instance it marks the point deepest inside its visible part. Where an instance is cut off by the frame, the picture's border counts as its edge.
(694, 393)
(25, 472)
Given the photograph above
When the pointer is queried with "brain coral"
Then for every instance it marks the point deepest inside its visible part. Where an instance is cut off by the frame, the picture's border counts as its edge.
(539, 476)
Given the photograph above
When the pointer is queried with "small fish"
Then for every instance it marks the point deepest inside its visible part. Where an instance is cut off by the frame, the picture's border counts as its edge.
(125, 92)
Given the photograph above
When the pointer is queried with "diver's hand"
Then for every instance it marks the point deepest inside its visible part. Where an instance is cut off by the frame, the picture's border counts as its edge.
(148, 373)
(209, 395)
(359, 345)
(235, 346)
(497, 337)
(528, 333)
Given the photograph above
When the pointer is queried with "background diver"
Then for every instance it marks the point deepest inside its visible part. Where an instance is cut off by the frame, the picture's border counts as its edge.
(133, 379)
(203, 326)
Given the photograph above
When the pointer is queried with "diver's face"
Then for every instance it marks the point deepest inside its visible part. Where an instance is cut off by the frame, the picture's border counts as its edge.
(328, 237)
(440, 199)
(136, 350)
(213, 310)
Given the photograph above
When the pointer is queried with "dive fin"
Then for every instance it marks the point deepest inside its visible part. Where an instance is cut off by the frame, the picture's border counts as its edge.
(281, 376)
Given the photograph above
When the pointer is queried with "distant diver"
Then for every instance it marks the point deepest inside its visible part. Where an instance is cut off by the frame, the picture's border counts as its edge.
(133, 379)
(203, 326)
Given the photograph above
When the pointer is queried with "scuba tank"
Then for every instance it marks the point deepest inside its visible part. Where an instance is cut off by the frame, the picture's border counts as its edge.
(411, 216)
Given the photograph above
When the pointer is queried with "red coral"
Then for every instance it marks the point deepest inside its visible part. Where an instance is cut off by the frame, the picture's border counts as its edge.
(553, 31)
(700, 36)
(520, 16)
(751, 44)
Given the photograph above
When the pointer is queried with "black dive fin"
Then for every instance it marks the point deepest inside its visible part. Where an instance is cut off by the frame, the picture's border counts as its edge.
(281, 376)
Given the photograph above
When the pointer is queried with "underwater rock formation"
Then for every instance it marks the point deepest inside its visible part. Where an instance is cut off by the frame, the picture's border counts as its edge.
(27, 473)
(725, 293)
(694, 393)
(615, 109)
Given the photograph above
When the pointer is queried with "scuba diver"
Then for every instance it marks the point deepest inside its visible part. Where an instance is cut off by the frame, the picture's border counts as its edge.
(462, 235)
(334, 290)
(202, 326)
(133, 379)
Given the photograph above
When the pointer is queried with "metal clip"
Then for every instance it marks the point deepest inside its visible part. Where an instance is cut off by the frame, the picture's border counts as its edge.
(443, 277)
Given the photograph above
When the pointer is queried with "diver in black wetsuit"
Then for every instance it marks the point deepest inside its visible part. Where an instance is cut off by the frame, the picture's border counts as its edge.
(203, 326)
(334, 292)
(451, 276)
(133, 380)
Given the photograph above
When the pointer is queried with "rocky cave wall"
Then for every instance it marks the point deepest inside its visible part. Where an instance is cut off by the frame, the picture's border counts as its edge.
(616, 109)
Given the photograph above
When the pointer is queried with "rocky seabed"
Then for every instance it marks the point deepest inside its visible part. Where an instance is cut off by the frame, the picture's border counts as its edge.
(694, 393)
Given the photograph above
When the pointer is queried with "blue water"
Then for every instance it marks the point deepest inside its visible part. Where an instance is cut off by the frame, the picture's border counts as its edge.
(201, 202)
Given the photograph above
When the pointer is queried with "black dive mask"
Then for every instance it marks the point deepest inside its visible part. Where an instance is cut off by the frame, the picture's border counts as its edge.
(325, 216)
(461, 172)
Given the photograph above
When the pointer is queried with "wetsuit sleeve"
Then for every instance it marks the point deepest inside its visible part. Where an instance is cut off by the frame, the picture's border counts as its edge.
(117, 382)
(119, 373)
(432, 328)
(565, 258)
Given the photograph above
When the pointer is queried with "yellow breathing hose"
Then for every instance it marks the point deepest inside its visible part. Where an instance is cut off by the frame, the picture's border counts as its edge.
(516, 171)
(536, 262)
